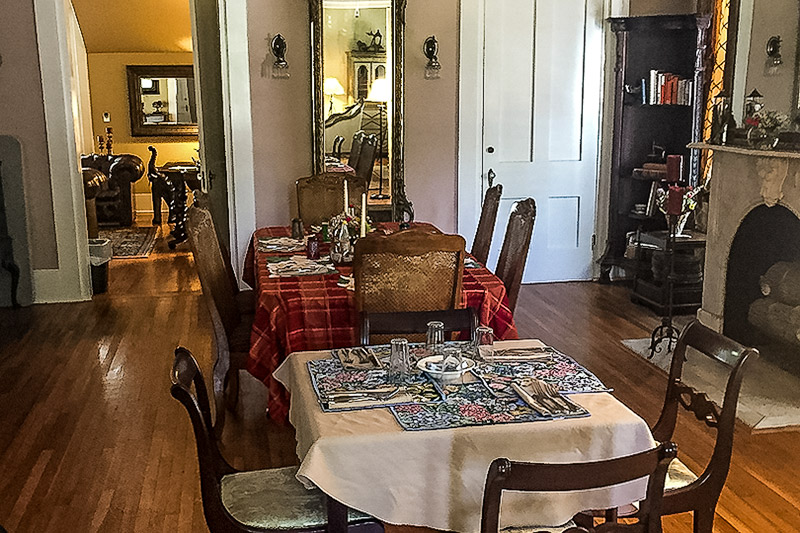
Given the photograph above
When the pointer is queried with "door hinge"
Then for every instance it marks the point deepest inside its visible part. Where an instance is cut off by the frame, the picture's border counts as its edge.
(594, 240)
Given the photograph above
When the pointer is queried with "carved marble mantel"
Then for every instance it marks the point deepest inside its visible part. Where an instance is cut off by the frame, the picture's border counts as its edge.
(742, 179)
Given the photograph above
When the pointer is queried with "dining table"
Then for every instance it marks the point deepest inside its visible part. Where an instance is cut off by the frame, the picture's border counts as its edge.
(313, 312)
(423, 460)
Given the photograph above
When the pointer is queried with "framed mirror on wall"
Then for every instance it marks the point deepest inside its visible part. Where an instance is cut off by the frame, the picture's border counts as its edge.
(162, 100)
(357, 86)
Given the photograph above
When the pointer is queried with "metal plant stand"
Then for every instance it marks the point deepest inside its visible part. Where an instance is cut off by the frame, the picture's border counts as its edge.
(666, 331)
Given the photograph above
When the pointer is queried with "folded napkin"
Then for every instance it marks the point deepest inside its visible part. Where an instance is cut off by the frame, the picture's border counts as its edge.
(298, 265)
(471, 263)
(508, 355)
(358, 358)
(547, 402)
(280, 244)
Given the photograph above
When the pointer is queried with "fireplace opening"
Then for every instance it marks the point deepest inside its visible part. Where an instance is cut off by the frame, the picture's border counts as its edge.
(767, 236)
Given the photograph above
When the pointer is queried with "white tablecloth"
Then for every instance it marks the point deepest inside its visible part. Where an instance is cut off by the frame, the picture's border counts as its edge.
(365, 460)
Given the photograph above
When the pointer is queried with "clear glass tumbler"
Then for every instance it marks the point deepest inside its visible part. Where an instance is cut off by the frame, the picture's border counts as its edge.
(399, 361)
(484, 343)
(434, 343)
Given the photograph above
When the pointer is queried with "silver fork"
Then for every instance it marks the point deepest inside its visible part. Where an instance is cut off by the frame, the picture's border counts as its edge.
(551, 392)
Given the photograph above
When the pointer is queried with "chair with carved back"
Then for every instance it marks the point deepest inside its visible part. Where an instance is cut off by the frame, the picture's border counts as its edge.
(268, 500)
(366, 161)
(220, 292)
(355, 149)
(485, 231)
(686, 491)
(408, 271)
(566, 477)
(337, 147)
(321, 196)
(464, 321)
(514, 253)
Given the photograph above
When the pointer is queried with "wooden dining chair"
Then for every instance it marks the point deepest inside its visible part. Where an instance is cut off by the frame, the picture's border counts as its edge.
(463, 321)
(686, 491)
(220, 293)
(337, 147)
(514, 253)
(408, 271)
(485, 231)
(321, 196)
(566, 477)
(246, 501)
(355, 149)
(366, 161)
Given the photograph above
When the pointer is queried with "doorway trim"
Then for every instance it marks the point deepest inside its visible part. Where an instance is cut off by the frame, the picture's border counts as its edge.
(70, 281)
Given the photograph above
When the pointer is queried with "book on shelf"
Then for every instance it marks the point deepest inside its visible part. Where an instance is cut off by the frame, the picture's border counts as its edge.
(666, 88)
(649, 174)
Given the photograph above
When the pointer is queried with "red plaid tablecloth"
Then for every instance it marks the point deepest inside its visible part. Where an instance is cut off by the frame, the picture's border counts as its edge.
(313, 313)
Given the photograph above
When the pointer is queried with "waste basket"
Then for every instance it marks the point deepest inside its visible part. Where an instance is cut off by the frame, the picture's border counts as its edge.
(100, 253)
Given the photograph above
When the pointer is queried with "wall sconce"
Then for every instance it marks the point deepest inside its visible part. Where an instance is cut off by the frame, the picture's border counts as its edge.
(774, 59)
(280, 68)
(431, 48)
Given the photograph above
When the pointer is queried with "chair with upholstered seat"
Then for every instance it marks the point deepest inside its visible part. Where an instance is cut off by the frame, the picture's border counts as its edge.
(686, 491)
(408, 271)
(252, 501)
(464, 321)
(514, 253)
(366, 159)
(566, 477)
(485, 231)
(220, 292)
(321, 196)
(355, 149)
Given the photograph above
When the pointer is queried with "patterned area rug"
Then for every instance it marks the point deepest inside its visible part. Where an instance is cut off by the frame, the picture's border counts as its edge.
(131, 243)
(769, 397)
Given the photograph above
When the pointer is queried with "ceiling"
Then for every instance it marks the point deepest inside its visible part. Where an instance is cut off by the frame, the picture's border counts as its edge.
(135, 25)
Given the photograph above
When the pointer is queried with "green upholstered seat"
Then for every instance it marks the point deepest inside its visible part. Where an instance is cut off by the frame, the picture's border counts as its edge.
(678, 475)
(274, 499)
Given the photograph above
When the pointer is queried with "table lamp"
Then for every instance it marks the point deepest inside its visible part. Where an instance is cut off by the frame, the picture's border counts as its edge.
(380, 92)
(331, 87)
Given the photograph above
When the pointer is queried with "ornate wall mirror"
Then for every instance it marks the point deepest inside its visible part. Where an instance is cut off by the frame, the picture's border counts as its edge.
(357, 85)
(162, 100)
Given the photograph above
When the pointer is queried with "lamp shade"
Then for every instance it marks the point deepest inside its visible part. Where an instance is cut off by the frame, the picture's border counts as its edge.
(332, 87)
(380, 91)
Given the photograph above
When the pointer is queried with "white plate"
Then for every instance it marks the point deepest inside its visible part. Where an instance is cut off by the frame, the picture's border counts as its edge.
(466, 365)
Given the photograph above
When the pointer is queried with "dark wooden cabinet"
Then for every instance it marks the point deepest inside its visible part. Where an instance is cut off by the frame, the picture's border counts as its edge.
(672, 44)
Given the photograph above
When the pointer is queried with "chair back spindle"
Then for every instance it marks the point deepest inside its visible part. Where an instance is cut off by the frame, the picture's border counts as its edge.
(514, 253)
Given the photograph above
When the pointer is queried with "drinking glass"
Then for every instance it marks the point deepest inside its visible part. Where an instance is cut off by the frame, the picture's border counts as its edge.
(399, 361)
(484, 342)
(434, 342)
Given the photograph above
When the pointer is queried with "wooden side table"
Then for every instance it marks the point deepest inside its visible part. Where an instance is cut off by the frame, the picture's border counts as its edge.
(182, 175)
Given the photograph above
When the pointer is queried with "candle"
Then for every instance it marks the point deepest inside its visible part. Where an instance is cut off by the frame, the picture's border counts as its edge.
(346, 199)
(675, 200)
(674, 168)
(364, 214)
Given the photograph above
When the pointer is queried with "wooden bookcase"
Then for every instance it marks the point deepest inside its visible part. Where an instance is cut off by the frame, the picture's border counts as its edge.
(668, 43)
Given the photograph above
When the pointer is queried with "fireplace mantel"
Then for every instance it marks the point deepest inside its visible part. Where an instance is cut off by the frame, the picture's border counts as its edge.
(742, 179)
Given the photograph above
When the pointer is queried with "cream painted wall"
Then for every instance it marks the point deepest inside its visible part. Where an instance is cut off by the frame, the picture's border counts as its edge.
(773, 17)
(109, 92)
(23, 118)
(282, 116)
(280, 108)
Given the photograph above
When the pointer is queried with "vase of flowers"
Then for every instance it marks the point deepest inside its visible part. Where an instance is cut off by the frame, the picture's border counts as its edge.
(764, 127)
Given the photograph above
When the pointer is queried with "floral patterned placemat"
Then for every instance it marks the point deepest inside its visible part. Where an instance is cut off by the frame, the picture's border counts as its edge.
(561, 370)
(329, 377)
(471, 404)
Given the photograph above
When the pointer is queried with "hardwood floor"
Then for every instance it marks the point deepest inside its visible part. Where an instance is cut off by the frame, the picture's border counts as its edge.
(90, 439)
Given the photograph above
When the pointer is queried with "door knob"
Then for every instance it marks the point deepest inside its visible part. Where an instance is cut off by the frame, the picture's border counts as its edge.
(490, 149)
(491, 176)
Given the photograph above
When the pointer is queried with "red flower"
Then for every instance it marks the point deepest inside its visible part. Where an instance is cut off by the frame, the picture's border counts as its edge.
(752, 121)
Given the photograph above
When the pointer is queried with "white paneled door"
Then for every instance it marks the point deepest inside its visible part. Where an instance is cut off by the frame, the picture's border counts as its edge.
(542, 79)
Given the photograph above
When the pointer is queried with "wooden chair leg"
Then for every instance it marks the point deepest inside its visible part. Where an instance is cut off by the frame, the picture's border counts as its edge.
(703, 520)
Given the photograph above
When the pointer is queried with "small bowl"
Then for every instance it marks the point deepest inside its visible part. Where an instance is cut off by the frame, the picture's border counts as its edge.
(424, 364)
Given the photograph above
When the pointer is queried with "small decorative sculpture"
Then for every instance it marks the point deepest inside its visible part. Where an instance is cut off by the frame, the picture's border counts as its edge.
(375, 45)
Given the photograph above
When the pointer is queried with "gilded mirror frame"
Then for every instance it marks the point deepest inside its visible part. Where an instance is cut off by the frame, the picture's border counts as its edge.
(402, 209)
(138, 129)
